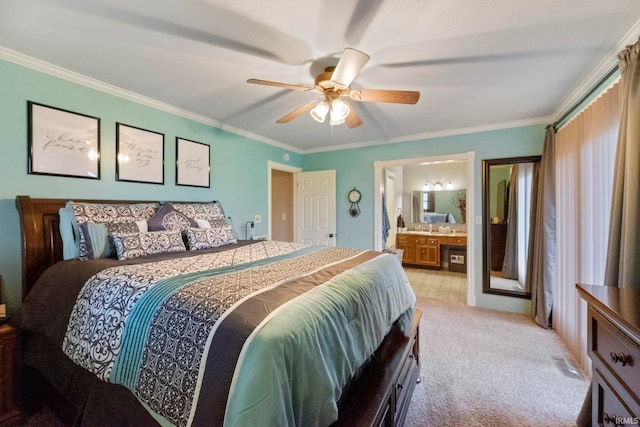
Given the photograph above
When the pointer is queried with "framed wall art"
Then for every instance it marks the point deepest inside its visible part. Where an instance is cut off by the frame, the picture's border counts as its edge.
(192, 163)
(140, 155)
(62, 142)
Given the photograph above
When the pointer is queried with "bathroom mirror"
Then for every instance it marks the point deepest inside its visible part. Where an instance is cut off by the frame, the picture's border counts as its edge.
(509, 193)
(439, 206)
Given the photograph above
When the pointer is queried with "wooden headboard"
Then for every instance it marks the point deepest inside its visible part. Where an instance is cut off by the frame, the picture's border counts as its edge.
(40, 234)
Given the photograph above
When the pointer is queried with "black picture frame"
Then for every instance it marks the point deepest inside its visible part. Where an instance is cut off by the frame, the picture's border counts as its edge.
(139, 155)
(62, 142)
(193, 163)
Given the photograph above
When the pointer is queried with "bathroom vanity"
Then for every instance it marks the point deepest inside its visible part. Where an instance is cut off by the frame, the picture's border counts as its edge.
(426, 249)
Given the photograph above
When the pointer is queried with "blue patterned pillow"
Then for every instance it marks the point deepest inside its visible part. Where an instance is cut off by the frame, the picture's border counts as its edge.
(167, 218)
(133, 245)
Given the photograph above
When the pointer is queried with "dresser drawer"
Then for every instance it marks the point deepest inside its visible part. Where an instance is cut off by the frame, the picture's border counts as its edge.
(411, 239)
(609, 409)
(616, 352)
(457, 241)
(432, 241)
(406, 383)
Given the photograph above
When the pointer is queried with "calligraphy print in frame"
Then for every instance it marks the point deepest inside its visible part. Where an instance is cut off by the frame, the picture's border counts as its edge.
(192, 163)
(62, 142)
(140, 155)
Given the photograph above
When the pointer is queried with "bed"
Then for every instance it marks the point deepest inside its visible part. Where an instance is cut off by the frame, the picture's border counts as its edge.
(242, 333)
(435, 217)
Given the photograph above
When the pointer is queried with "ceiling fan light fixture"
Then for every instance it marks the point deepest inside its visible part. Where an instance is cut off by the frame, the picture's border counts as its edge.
(348, 68)
(338, 112)
(319, 112)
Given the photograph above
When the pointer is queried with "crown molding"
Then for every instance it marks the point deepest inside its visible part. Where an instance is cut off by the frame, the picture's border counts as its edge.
(439, 134)
(606, 65)
(72, 76)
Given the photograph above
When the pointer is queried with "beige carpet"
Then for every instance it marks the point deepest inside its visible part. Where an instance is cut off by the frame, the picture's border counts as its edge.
(484, 367)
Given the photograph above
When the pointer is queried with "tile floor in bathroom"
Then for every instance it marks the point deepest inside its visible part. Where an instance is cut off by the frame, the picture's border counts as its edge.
(440, 284)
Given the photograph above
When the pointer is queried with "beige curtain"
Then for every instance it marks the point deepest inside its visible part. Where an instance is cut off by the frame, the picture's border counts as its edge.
(585, 158)
(542, 243)
(623, 249)
(623, 253)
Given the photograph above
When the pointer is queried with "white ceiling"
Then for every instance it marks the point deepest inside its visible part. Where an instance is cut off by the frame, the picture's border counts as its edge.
(478, 64)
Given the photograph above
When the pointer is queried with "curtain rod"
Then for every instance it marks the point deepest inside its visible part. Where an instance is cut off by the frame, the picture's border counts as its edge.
(585, 96)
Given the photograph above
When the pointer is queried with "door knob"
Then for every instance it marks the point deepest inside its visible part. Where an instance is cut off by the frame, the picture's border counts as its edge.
(333, 235)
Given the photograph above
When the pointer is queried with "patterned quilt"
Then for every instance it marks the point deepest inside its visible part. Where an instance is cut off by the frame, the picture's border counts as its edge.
(265, 334)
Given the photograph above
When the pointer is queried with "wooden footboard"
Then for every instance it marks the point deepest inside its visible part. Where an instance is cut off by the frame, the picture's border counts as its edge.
(380, 393)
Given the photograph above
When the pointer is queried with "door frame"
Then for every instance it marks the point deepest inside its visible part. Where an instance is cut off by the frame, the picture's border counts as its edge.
(285, 168)
(470, 157)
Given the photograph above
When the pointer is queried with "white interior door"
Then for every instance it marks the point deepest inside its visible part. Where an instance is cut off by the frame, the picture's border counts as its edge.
(316, 198)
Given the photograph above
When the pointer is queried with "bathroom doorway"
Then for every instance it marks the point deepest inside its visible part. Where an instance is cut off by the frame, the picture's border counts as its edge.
(380, 167)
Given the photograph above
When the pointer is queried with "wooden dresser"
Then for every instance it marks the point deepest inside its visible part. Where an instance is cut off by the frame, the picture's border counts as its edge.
(613, 343)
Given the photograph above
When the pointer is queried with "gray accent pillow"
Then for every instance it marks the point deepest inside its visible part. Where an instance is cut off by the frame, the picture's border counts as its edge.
(105, 213)
(168, 218)
(205, 238)
(97, 239)
(133, 245)
(209, 211)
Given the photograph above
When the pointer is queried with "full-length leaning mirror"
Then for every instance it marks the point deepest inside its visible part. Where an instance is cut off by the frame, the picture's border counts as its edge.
(509, 193)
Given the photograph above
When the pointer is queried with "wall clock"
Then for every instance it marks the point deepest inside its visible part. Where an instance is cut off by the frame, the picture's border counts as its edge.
(354, 197)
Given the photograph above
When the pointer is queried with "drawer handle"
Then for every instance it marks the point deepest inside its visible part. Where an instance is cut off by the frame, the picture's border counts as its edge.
(619, 357)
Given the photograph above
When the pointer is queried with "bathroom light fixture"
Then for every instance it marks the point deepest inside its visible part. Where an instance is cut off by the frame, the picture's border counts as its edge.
(438, 186)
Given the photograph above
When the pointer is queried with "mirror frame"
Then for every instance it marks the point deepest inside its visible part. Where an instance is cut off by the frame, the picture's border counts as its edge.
(486, 222)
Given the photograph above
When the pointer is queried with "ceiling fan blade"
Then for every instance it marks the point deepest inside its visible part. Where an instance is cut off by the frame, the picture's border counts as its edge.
(279, 84)
(353, 120)
(298, 112)
(380, 95)
(348, 67)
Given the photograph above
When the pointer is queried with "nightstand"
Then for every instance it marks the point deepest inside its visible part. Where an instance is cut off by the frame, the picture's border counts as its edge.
(10, 414)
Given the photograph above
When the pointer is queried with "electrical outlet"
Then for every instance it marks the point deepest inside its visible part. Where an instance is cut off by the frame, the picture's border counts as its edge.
(257, 219)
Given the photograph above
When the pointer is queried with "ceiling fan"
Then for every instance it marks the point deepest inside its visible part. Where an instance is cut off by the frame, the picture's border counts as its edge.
(335, 84)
